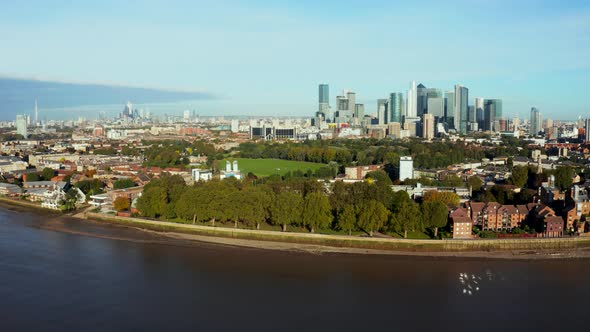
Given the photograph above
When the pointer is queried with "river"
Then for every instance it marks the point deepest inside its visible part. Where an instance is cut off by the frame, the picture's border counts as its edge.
(95, 277)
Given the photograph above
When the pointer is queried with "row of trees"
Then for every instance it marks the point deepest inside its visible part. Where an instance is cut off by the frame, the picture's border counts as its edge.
(372, 151)
(368, 206)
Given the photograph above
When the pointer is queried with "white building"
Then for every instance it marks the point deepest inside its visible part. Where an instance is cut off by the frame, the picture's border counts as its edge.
(231, 170)
(202, 174)
(406, 168)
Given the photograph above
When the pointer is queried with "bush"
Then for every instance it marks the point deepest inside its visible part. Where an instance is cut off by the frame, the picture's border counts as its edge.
(489, 235)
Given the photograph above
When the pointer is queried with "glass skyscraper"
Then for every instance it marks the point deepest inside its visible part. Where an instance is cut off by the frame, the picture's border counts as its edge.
(461, 108)
(324, 94)
(450, 109)
(396, 102)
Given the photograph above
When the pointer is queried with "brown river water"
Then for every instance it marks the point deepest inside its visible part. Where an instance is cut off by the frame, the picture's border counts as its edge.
(62, 274)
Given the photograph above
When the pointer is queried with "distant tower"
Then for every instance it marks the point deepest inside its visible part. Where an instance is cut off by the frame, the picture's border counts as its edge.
(36, 113)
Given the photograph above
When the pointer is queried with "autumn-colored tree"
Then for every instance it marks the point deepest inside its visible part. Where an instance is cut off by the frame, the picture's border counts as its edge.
(121, 204)
(445, 197)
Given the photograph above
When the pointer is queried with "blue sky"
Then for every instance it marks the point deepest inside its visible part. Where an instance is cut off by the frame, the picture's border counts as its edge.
(267, 57)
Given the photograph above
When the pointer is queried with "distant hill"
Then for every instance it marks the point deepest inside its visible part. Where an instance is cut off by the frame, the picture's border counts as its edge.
(18, 95)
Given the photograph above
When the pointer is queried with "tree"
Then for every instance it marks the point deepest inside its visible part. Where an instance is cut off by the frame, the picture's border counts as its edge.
(316, 211)
(121, 204)
(286, 209)
(564, 177)
(372, 215)
(520, 175)
(33, 177)
(452, 181)
(347, 219)
(447, 198)
(407, 218)
(475, 182)
(123, 183)
(435, 215)
(256, 206)
(47, 173)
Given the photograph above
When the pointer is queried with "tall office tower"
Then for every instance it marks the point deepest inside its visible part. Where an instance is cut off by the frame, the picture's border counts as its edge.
(428, 126)
(186, 115)
(489, 115)
(471, 119)
(461, 106)
(471, 114)
(421, 100)
(36, 114)
(345, 107)
(323, 105)
(435, 104)
(406, 168)
(497, 112)
(323, 98)
(382, 111)
(396, 102)
(359, 111)
(450, 109)
(479, 111)
(21, 125)
(587, 138)
(535, 124)
(412, 109)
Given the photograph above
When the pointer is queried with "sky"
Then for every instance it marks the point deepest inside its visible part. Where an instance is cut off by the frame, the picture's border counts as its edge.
(267, 57)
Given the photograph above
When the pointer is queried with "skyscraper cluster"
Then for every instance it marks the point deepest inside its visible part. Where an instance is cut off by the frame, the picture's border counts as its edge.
(421, 111)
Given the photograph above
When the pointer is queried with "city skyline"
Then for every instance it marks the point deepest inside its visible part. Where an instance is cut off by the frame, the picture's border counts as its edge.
(266, 61)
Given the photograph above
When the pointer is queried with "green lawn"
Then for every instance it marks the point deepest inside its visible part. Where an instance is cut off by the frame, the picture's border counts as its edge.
(266, 167)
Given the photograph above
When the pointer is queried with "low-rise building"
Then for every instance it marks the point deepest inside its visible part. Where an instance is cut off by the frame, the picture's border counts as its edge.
(8, 189)
(461, 223)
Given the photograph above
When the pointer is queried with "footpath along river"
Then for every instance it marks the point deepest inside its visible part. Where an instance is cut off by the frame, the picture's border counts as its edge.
(101, 277)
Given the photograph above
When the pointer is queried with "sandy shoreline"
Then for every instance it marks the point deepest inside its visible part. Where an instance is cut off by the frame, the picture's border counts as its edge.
(55, 221)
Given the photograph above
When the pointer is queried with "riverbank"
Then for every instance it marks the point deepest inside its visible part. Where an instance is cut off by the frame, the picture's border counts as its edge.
(176, 233)
(323, 244)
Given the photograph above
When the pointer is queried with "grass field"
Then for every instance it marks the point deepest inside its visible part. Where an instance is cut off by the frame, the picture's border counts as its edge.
(266, 167)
